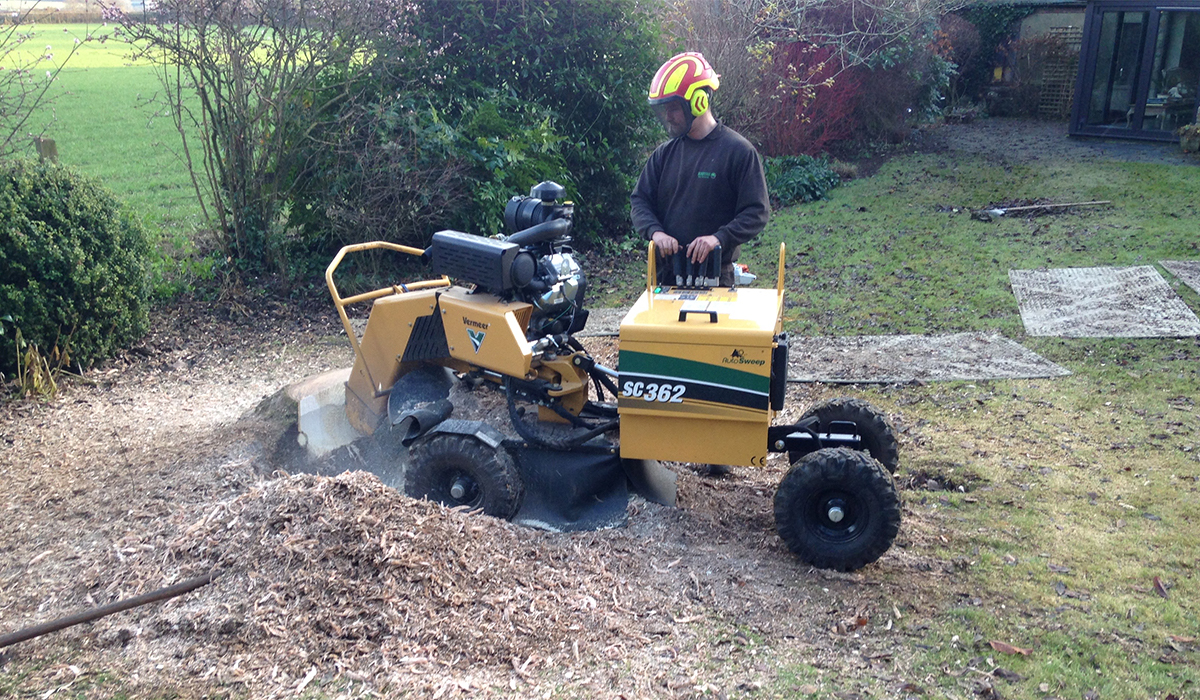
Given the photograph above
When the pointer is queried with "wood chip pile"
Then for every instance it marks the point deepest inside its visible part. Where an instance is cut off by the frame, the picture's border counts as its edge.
(344, 574)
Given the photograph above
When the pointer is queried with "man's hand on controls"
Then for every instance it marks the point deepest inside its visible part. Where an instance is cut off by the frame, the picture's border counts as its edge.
(664, 243)
(697, 250)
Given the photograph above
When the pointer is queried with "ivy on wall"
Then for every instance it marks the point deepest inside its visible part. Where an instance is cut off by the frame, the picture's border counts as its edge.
(995, 24)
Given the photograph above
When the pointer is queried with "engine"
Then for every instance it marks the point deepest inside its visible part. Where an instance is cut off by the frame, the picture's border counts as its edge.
(532, 263)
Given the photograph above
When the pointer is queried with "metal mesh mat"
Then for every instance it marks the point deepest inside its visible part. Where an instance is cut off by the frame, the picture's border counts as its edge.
(1101, 302)
(1188, 271)
(907, 358)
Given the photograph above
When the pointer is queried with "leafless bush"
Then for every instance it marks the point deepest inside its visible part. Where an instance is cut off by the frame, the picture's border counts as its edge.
(254, 78)
(27, 74)
(1033, 55)
(401, 200)
(1030, 58)
(961, 43)
(729, 38)
(776, 58)
(962, 37)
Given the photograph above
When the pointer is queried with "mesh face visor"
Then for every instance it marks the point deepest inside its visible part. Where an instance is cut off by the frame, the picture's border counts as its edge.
(674, 116)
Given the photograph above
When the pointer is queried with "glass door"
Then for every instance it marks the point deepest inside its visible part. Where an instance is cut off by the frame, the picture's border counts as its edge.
(1113, 95)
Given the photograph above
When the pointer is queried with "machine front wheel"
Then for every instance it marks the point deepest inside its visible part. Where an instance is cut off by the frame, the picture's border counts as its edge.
(837, 508)
(460, 470)
(878, 437)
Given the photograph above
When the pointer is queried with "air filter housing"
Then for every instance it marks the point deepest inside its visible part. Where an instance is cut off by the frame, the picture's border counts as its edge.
(494, 265)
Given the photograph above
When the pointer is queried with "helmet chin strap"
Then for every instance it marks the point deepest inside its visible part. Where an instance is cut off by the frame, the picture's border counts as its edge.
(690, 120)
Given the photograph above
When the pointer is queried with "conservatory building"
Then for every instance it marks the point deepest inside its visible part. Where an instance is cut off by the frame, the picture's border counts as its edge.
(1139, 72)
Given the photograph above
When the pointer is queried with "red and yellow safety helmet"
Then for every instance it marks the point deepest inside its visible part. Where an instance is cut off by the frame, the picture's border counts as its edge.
(684, 77)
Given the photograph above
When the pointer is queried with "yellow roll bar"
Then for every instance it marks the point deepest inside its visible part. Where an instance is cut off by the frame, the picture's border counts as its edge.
(341, 303)
(779, 283)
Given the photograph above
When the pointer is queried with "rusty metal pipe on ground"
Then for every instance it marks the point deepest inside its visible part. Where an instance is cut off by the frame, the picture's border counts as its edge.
(104, 610)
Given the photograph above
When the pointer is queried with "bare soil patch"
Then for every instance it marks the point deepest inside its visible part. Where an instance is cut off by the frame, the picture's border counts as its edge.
(1030, 140)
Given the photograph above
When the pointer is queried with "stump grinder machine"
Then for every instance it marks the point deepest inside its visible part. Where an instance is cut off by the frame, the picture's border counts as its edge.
(701, 375)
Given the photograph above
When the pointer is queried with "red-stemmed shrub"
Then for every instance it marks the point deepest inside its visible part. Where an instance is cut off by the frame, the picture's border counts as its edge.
(809, 118)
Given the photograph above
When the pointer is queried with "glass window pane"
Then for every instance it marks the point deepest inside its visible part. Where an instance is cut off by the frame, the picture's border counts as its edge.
(1176, 76)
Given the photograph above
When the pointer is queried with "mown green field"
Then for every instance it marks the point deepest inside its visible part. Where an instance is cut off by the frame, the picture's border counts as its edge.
(105, 122)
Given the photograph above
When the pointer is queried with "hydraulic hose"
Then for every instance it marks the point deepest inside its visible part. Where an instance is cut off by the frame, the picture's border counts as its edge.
(546, 438)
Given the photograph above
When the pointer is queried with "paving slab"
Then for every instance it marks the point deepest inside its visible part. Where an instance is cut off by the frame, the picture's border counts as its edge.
(1188, 271)
(1101, 302)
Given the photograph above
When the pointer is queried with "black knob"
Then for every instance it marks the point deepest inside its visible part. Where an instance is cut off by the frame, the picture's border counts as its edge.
(547, 191)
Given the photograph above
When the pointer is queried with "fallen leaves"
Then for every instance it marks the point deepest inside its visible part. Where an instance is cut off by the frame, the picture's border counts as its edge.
(1006, 648)
(1160, 589)
(1061, 589)
(852, 624)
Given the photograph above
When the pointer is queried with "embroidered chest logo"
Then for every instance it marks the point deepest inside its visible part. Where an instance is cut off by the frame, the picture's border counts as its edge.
(476, 338)
(706, 176)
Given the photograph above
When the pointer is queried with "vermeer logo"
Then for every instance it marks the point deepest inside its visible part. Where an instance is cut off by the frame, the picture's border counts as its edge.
(738, 357)
(706, 176)
(476, 338)
(475, 324)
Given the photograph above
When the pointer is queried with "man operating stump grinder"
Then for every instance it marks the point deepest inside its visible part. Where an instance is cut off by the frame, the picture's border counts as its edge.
(702, 192)
(702, 364)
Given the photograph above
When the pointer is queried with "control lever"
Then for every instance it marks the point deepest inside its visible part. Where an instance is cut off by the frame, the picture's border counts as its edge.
(690, 275)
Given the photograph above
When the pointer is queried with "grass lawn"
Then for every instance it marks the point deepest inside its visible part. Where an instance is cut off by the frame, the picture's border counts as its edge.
(1080, 497)
(105, 123)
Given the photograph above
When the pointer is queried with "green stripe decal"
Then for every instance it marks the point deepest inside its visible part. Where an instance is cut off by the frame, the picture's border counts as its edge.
(646, 363)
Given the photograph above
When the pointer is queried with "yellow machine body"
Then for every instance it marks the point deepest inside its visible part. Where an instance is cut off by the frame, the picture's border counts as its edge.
(448, 326)
(431, 322)
(695, 365)
(695, 374)
(701, 373)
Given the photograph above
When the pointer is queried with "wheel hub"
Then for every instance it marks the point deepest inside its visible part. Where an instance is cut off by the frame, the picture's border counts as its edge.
(836, 514)
(461, 489)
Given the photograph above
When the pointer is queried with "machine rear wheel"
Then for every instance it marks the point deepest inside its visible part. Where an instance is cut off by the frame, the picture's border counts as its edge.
(837, 508)
(878, 437)
(459, 470)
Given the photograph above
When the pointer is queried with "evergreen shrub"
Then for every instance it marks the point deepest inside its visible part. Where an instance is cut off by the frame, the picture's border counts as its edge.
(460, 121)
(73, 264)
(798, 179)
